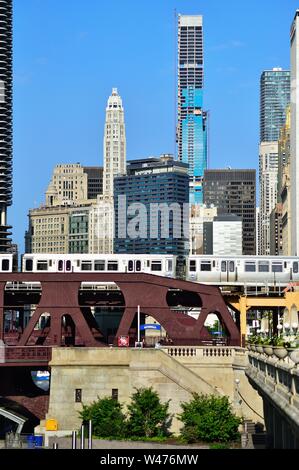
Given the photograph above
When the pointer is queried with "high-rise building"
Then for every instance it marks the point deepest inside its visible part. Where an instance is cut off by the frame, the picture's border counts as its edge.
(199, 213)
(101, 225)
(151, 207)
(275, 92)
(276, 231)
(192, 119)
(114, 142)
(268, 172)
(234, 192)
(294, 161)
(223, 236)
(284, 151)
(94, 181)
(5, 120)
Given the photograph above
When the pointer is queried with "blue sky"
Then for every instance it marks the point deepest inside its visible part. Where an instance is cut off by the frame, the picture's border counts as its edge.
(68, 54)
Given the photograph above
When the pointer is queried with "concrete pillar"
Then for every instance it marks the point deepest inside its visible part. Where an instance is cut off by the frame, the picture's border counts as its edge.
(243, 318)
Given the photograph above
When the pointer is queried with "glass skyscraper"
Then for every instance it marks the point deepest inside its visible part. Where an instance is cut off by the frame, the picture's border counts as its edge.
(275, 98)
(192, 120)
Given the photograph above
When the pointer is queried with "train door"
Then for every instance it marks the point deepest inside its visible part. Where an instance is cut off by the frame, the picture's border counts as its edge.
(227, 271)
(134, 266)
(64, 266)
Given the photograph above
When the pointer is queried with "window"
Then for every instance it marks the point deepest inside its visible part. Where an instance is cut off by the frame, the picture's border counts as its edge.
(263, 266)
(138, 265)
(277, 267)
(60, 265)
(205, 266)
(156, 266)
(86, 266)
(130, 265)
(114, 394)
(29, 264)
(169, 265)
(192, 265)
(68, 265)
(223, 266)
(78, 395)
(99, 265)
(295, 267)
(42, 265)
(231, 266)
(112, 266)
(5, 265)
(250, 267)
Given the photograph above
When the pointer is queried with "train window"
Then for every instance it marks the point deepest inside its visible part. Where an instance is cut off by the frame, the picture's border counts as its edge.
(250, 267)
(148, 263)
(60, 265)
(50, 262)
(112, 266)
(276, 267)
(192, 265)
(223, 266)
(99, 265)
(263, 266)
(5, 265)
(29, 264)
(231, 266)
(86, 266)
(68, 265)
(169, 265)
(156, 266)
(42, 265)
(130, 265)
(138, 265)
(206, 266)
(295, 267)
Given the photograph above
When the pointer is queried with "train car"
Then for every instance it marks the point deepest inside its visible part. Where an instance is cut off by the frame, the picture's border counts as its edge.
(243, 269)
(162, 265)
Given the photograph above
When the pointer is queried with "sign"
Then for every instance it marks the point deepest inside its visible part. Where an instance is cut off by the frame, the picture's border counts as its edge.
(123, 341)
(150, 326)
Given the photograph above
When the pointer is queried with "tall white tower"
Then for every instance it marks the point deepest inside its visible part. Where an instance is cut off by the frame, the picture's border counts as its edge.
(114, 142)
(294, 166)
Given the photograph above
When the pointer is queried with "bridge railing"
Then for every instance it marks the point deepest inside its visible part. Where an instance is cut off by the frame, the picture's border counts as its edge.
(202, 352)
(27, 354)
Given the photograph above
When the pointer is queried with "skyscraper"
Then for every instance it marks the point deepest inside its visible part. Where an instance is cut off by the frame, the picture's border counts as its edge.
(234, 192)
(192, 120)
(5, 119)
(268, 177)
(294, 164)
(114, 142)
(275, 97)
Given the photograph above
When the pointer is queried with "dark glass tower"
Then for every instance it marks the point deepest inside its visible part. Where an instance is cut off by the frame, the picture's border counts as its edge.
(275, 97)
(5, 119)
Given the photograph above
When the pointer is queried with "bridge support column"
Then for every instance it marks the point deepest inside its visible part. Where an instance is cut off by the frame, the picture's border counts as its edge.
(243, 320)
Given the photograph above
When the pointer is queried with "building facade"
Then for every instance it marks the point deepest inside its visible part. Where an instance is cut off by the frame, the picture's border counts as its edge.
(114, 142)
(94, 181)
(101, 225)
(234, 192)
(68, 185)
(223, 236)
(275, 92)
(268, 178)
(276, 231)
(192, 124)
(294, 161)
(199, 213)
(149, 205)
(6, 141)
(286, 212)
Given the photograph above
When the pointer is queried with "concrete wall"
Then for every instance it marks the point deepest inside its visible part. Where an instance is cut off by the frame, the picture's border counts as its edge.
(173, 372)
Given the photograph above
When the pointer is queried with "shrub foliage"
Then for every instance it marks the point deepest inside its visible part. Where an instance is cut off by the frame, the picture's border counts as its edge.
(209, 418)
(106, 416)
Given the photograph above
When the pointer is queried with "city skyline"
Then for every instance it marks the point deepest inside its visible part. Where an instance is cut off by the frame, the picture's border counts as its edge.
(224, 47)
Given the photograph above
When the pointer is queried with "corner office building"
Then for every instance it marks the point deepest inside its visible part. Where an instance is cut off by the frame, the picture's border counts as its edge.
(234, 192)
(5, 120)
(152, 181)
(192, 120)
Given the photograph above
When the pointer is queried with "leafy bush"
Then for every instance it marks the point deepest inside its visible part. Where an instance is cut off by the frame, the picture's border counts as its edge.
(147, 416)
(106, 416)
(209, 418)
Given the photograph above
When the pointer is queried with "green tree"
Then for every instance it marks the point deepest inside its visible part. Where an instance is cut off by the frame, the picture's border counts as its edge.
(147, 416)
(106, 416)
(209, 418)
